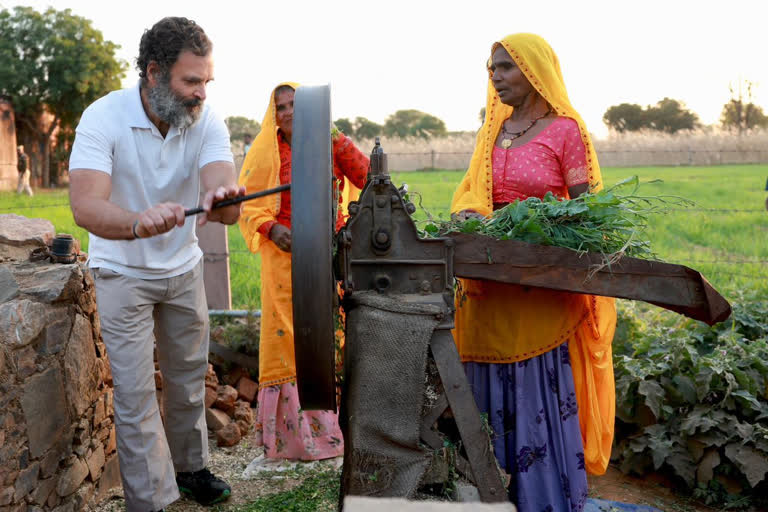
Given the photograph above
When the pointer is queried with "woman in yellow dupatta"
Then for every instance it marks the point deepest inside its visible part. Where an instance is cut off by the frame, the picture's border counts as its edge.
(539, 361)
(285, 431)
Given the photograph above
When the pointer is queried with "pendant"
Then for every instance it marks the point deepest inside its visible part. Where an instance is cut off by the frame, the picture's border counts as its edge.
(505, 143)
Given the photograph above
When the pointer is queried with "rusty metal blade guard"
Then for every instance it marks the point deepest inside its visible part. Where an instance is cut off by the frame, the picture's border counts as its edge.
(674, 287)
(312, 226)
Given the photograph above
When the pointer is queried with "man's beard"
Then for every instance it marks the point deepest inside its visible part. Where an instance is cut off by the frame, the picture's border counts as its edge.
(172, 108)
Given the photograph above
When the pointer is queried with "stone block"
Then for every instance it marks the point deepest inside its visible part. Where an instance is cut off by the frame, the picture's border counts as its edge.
(6, 496)
(24, 361)
(57, 330)
(71, 478)
(50, 282)
(53, 500)
(96, 462)
(80, 367)
(19, 236)
(216, 419)
(9, 288)
(44, 489)
(99, 411)
(110, 479)
(233, 376)
(210, 397)
(225, 399)
(111, 441)
(229, 435)
(22, 322)
(26, 481)
(50, 463)
(45, 411)
(247, 389)
(211, 380)
(244, 413)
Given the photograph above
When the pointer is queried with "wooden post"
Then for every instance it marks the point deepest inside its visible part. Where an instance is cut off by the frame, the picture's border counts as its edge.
(212, 238)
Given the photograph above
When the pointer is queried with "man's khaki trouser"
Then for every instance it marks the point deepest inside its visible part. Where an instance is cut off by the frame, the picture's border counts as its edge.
(175, 309)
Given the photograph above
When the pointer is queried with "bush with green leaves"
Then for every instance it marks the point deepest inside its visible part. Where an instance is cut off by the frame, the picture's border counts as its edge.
(692, 400)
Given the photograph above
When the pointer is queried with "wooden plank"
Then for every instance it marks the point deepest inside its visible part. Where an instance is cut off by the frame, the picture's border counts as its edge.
(674, 287)
(476, 442)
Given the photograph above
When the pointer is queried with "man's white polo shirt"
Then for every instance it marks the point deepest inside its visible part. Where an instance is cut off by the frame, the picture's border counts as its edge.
(115, 136)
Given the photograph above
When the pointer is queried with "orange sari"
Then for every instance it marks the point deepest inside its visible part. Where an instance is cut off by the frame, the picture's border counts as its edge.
(501, 323)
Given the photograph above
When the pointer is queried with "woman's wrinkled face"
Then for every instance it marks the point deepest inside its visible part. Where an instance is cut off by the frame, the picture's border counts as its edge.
(284, 111)
(509, 81)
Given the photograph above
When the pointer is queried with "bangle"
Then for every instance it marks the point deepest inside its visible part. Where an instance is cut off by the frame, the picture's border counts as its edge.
(133, 229)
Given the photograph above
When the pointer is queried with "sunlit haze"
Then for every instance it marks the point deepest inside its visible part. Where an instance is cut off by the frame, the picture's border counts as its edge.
(389, 55)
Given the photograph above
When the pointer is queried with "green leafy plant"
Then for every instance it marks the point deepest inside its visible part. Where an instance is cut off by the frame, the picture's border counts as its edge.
(692, 400)
(609, 221)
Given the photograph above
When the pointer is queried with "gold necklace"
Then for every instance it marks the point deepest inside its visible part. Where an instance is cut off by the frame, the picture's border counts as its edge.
(506, 142)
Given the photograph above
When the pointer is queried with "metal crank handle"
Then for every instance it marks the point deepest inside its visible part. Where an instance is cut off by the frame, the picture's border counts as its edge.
(236, 200)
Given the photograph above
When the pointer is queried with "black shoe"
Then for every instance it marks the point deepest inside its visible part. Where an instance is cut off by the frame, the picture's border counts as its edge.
(205, 488)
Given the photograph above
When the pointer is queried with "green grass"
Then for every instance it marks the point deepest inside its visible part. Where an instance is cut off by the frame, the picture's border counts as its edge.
(720, 244)
(319, 491)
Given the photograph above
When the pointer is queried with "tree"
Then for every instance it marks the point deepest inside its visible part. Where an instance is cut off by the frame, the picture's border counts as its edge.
(670, 116)
(742, 116)
(56, 63)
(627, 117)
(345, 125)
(241, 127)
(367, 129)
(414, 123)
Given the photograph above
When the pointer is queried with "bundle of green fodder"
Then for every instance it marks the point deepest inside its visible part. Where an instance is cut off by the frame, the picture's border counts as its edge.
(612, 221)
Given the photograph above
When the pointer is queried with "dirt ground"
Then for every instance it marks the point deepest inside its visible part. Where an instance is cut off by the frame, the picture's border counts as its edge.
(614, 485)
(229, 463)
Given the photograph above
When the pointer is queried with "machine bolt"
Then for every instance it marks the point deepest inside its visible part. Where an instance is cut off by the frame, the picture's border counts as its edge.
(410, 208)
(381, 201)
(426, 287)
(353, 208)
(382, 237)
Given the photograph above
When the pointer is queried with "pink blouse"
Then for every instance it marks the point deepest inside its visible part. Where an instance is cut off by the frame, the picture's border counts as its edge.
(551, 162)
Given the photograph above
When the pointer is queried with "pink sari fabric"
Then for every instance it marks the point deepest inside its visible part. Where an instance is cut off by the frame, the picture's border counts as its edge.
(287, 432)
(551, 162)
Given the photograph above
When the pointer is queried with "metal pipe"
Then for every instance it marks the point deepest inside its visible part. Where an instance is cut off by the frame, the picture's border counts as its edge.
(229, 202)
(238, 313)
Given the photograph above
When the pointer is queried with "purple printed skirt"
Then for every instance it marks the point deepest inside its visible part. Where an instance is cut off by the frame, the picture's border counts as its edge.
(531, 407)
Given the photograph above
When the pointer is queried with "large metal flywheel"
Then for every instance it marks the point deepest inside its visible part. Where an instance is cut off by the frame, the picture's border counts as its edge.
(312, 235)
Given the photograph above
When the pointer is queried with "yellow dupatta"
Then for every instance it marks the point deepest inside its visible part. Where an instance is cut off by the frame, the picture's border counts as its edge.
(506, 323)
(260, 171)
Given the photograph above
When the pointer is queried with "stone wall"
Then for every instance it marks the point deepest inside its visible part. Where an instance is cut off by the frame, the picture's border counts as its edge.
(57, 437)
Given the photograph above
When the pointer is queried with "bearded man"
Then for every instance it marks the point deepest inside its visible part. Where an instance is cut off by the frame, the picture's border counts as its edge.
(139, 155)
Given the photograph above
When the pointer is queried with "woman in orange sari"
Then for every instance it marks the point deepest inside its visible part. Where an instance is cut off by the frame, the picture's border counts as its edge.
(285, 431)
(538, 361)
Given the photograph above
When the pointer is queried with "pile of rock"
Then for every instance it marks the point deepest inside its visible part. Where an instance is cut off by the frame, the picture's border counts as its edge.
(57, 434)
(228, 407)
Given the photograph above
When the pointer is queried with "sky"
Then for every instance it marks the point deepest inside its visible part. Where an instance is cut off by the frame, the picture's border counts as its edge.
(383, 56)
